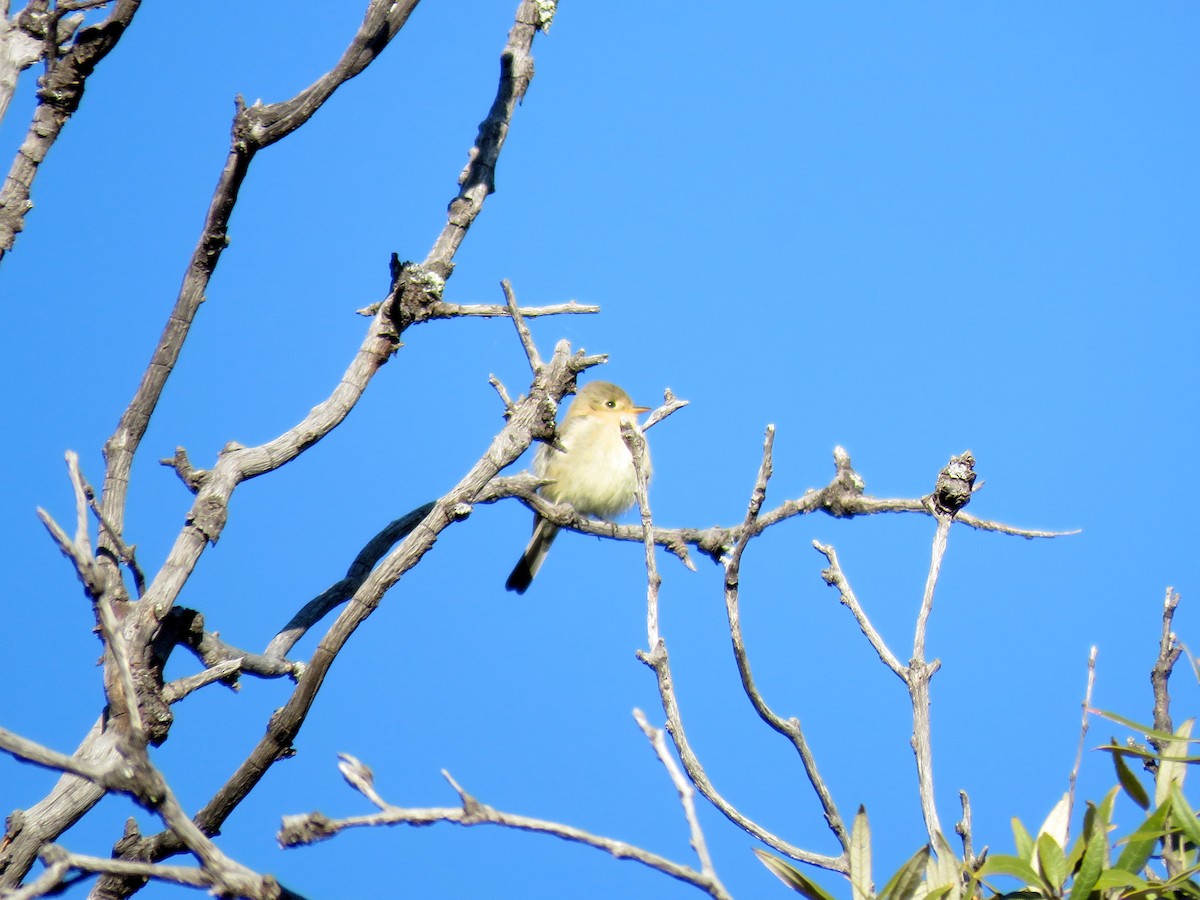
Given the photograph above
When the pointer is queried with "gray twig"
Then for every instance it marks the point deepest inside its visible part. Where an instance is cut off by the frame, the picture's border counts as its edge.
(308, 828)
(1085, 721)
(687, 799)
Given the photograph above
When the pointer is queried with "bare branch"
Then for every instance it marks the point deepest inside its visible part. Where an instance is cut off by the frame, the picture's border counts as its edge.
(79, 548)
(180, 688)
(659, 661)
(117, 652)
(531, 352)
(636, 443)
(789, 728)
(1169, 650)
(1083, 729)
(503, 392)
(478, 178)
(192, 477)
(311, 827)
(341, 591)
(951, 493)
(494, 311)
(126, 553)
(35, 753)
(670, 404)
(964, 830)
(835, 577)
(50, 881)
(63, 862)
(686, 799)
(133, 774)
(1000, 528)
(68, 6)
(512, 440)
(843, 497)
(185, 628)
(360, 777)
(59, 95)
(940, 537)
(253, 129)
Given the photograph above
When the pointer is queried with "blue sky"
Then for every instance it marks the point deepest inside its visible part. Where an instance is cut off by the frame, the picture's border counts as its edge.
(906, 229)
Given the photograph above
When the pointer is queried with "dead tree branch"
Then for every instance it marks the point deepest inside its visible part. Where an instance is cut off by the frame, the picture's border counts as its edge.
(38, 33)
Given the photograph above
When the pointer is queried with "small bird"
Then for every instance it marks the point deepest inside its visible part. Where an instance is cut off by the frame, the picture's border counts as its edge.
(593, 471)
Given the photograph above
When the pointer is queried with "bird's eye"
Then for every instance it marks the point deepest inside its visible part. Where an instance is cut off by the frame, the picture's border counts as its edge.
(611, 404)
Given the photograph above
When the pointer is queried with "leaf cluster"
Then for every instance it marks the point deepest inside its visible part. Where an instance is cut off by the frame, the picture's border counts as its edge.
(1159, 859)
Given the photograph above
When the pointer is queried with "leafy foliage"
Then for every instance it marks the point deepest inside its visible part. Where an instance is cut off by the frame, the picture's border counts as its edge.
(1159, 859)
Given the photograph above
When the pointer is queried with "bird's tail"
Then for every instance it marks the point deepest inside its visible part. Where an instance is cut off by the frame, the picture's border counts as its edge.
(531, 560)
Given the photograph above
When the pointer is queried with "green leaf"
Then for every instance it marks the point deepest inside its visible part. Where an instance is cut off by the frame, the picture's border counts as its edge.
(1076, 854)
(1092, 863)
(944, 868)
(1143, 753)
(1000, 864)
(792, 877)
(1051, 861)
(939, 893)
(1116, 878)
(1181, 880)
(903, 885)
(1132, 786)
(1089, 820)
(1023, 841)
(858, 854)
(1184, 816)
(1140, 844)
(1058, 822)
(1149, 732)
(1170, 769)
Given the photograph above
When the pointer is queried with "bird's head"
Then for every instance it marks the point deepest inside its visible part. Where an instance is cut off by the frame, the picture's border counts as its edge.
(604, 399)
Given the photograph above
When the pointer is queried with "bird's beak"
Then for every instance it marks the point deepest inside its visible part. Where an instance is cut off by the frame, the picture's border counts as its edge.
(641, 409)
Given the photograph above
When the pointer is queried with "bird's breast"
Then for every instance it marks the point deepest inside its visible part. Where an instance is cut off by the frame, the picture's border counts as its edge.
(594, 472)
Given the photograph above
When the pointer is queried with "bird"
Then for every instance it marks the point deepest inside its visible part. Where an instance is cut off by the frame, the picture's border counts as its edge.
(592, 469)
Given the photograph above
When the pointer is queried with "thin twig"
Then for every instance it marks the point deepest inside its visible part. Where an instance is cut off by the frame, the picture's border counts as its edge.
(503, 392)
(454, 506)
(842, 498)
(126, 553)
(360, 777)
(68, 6)
(446, 310)
(176, 690)
(311, 827)
(670, 404)
(835, 577)
(254, 129)
(952, 491)
(964, 830)
(39, 755)
(636, 443)
(1083, 730)
(789, 728)
(659, 661)
(342, 590)
(531, 351)
(59, 93)
(1169, 650)
(918, 674)
(687, 799)
(940, 538)
(478, 178)
(115, 641)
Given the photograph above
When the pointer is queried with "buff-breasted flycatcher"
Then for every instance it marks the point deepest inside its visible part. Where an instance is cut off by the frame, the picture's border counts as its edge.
(593, 471)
